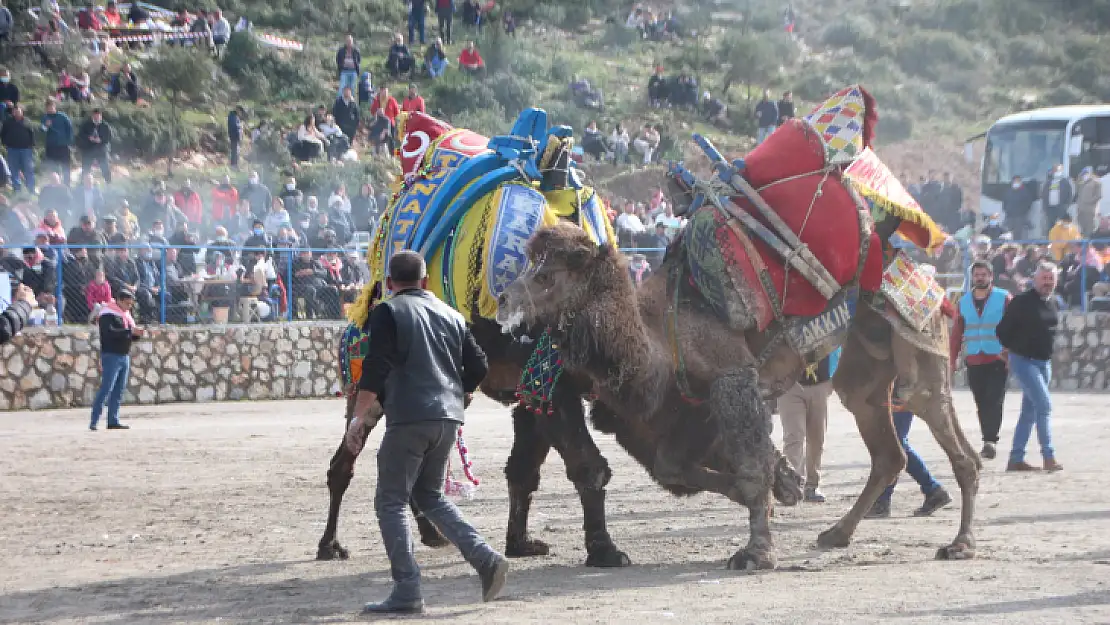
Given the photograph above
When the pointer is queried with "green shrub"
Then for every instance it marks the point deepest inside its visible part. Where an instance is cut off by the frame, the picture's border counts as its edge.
(1064, 95)
(288, 76)
(513, 93)
(576, 15)
(932, 53)
(851, 32)
(455, 97)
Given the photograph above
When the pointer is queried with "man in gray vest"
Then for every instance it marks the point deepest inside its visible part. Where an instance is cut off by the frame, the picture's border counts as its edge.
(423, 366)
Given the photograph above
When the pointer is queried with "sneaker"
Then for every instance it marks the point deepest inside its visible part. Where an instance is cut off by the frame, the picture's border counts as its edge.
(493, 578)
(1021, 467)
(879, 510)
(392, 606)
(92, 428)
(989, 452)
(118, 426)
(934, 501)
(1050, 464)
(813, 495)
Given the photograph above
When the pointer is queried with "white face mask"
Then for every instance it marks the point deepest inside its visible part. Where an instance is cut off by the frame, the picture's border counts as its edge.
(290, 186)
(254, 180)
(1017, 185)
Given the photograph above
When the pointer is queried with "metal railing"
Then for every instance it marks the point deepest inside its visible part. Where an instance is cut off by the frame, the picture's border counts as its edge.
(188, 283)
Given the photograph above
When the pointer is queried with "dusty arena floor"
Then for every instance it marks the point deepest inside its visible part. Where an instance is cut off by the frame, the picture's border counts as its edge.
(211, 513)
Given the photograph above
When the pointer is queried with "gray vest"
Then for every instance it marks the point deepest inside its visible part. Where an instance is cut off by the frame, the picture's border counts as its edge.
(425, 383)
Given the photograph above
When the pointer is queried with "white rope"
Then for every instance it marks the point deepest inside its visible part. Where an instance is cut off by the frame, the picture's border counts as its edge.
(796, 251)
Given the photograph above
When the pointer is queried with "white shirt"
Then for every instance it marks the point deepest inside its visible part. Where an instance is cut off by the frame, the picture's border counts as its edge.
(630, 222)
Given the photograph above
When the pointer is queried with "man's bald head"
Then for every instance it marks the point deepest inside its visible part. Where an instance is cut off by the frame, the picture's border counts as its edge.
(407, 269)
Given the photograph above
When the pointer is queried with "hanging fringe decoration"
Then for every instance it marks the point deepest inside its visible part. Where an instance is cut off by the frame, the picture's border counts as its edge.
(456, 488)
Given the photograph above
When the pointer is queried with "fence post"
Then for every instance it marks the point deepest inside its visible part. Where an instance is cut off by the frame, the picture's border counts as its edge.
(162, 287)
(59, 295)
(1083, 277)
(289, 287)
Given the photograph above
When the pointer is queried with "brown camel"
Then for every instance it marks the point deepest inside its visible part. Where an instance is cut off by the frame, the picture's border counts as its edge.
(626, 342)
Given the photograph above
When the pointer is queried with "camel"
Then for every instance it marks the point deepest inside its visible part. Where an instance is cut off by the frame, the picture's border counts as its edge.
(625, 342)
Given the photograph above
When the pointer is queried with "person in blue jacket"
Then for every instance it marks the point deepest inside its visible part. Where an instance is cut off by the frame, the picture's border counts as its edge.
(59, 139)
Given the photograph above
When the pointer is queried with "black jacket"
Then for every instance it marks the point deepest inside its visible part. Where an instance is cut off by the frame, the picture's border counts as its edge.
(103, 130)
(13, 319)
(115, 338)
(355, 55)
(43, 280)
(1028, 327)
(346, 116)
(17, 134)
(423, 359)
(9, 92)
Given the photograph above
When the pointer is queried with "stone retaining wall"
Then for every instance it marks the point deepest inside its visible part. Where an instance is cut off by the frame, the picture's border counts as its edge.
(59, 367)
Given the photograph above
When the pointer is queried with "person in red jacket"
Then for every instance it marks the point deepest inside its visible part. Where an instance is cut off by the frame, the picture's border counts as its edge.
(470, 60)
(386, 104)
(188, 201)
(225, 198)
(414, 102)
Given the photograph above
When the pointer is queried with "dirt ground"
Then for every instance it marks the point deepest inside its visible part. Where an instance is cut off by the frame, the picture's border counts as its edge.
(211, 513)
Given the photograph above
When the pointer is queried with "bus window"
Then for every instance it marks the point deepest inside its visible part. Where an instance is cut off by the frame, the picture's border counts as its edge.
(1028, 150)
(1100, 147)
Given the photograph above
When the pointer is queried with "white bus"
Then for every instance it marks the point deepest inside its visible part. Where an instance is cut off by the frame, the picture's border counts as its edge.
(1031, 143)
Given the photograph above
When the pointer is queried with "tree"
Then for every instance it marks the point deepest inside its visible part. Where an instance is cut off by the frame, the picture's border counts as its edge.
(182, 73)
(751, 59)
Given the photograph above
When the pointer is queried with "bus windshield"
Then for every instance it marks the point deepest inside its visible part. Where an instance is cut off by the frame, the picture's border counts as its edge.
(1026, 149)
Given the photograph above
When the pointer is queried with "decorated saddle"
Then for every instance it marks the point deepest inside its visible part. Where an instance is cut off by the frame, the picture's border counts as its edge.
(785, 230)
(469, 204)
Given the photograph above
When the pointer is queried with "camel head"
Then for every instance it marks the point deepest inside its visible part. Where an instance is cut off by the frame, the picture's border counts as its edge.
(567, 274)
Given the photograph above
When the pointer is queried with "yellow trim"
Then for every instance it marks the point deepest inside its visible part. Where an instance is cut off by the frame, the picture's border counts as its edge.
(914, 216)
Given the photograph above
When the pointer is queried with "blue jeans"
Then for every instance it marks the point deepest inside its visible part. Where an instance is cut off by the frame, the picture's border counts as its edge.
(416, 23)
(764, 132)
(22, 161)
(1036, 406)
(348, 78)
(412, 460)
(914, 465)
(113, 380)
(436, 67)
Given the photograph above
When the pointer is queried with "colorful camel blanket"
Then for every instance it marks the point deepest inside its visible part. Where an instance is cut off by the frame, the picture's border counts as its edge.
(484, 252)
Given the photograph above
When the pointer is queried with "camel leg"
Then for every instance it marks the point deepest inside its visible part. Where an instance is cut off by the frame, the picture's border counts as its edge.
(522, 471)
(587, 469)
(933, 404)
(863, 381)
(341, 470)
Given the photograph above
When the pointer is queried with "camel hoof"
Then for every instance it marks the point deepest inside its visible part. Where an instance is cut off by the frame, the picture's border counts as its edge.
(787, 487)
(608, 557)
(526, 548)
(961, 549)
(745, 560)
(332, 551)
(833, 538)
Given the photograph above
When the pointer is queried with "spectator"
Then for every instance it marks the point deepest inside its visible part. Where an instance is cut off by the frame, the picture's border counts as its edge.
(201, 29)
(435, 59)
(657, 88)
(993, 229)
(340, 195)
(221, 243)
(659, 241)
(1061, 234)
(470, 59)
(767, 116)
(713, 109)
(586, 96)
(618, 143)
(472, 14)
(335, 141)
(188, 201)
(413, 101)
(6, 23)
(364, 209)
(238, 221)
(320, 115)
(40, 274)
(646, 142)
(278, 215)
(310, 141)
(339, 218)
(112, 17)
(9, 93)
(137, 15)
(94, 140)
(221, 31)
(1016, 205)
(347, 114)
(292, 198)
(387, 105)
(348, 63)
(639, 268)
(628, 226)
(125, 84)
(19, 138)
(256, 286)
(56, 196)
(509, 23)
(417, 12)
(592, 141)
(78, 272)
(88, 199)
(59, 138)
(234, 135)
(87, 234)
(128, 221)
(257, 195)
(321, 235)
(225, 198)
(52, 227)
(786, 107)
(399, 62)
(343, 277)
(1087, 197)
(150, 284)
(259, 238)
(97, 291)
(309, 284)
(672, 223)
(365, 88)
(123, 273)
(1056, 196)
(685, 92)
(445, 12)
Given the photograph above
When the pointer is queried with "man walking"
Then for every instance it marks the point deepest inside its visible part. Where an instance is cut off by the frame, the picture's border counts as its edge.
(1028, 331)
(117, 330)
(980, 311)
(935, 495)
(804, 409)
(423, 366)
(59, 138)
